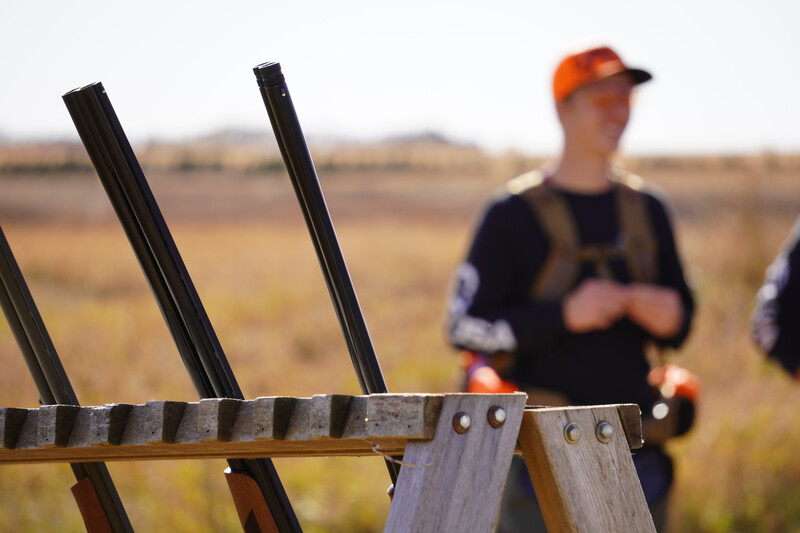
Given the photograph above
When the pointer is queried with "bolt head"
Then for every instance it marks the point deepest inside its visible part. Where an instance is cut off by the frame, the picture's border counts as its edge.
(461, 422)
(572, 432)
(660, 410)
(496, 416)
(604, 432)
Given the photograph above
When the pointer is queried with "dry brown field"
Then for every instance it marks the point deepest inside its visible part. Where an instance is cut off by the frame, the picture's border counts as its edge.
(403, 229)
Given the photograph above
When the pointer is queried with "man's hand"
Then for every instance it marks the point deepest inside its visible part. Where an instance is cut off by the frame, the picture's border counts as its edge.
(594, 304)
(656, 309)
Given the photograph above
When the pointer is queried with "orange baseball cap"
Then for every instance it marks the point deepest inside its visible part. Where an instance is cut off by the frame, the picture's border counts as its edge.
(589, 66)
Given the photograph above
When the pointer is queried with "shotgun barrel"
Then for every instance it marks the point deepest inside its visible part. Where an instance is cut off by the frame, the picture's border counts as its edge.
(136, 207)
(308, 190)
(103, 509)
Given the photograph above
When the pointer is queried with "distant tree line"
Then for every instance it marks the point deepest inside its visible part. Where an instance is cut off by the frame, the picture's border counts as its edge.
(399, 155)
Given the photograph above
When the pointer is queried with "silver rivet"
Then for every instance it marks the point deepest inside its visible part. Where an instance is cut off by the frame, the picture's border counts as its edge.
(496, 416)
(283, 91)
(604, 432)
(572, 432)
(461, 422)
(660, 410)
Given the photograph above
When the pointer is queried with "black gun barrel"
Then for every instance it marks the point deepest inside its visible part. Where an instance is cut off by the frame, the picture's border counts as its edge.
(49, 375)
(136, 207)
(312, 202)
(303, 176)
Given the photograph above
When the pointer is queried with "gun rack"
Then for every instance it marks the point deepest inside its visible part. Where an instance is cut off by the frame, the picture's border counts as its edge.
(456, 449)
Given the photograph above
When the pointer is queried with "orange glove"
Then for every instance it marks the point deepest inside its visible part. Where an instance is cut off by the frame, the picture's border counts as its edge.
(482, 378)
(673, 380)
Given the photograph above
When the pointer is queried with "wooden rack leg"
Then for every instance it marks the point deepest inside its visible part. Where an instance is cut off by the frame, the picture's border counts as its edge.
(455, 481)
(580, 463)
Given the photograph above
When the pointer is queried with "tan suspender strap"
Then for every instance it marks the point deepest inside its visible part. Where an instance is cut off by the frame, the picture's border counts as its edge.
(640, 250)
(562, 265)
(560, 268)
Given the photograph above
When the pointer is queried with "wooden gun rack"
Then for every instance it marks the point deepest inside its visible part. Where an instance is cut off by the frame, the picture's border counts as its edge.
(456, 449)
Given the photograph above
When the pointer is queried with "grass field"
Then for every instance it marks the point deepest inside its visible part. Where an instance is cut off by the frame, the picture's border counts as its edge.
(245, 244)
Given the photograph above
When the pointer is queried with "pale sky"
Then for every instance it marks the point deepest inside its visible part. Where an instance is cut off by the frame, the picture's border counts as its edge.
(725, 72)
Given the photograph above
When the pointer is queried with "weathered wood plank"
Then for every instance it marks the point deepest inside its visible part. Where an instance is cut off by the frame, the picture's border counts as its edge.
(242, 429)
(27, 438)
(159, 422)
(54, 424)
(412, 416)
(355, 426)
(631, 418)
(264, 427)
(187, 427)
(107, 423)
(80, 432)
(328, 415)
(584, 480)
(271, 417)
(297, 428)
(455, 481)
(216, 418)
(11, 420)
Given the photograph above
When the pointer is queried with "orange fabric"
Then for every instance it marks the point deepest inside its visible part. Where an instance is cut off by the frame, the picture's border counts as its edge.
(589, 66)
(482, 378)
(485, 380)
(674, 380)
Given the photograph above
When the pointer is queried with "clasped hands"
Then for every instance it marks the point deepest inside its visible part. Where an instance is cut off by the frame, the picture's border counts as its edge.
(598, 303)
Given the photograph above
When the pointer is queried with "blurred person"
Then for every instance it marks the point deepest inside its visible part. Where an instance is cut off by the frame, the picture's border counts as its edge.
(572, 275)
(776, 317)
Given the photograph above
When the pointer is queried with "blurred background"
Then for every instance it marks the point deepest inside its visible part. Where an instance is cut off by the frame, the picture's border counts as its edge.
(414, 114)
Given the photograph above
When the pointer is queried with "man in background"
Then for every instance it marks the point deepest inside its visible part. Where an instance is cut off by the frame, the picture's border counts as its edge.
(777, 314)
(572, 274)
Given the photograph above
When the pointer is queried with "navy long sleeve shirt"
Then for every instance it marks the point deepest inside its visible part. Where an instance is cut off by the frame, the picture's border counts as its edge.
(491, 310)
